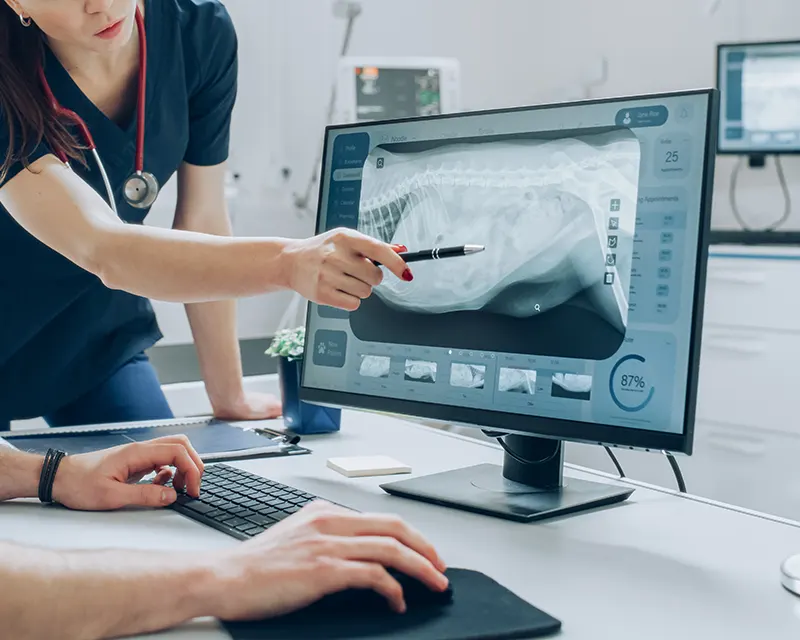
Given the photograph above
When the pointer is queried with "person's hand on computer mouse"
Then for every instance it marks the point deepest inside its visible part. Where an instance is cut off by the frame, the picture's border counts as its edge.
(320, 550)
(337, 268)
(106, 480)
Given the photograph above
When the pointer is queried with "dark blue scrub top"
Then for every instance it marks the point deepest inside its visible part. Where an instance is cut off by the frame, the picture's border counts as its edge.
(61, 331)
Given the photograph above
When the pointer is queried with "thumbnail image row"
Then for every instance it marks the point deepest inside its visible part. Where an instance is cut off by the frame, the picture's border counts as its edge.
(473, 376)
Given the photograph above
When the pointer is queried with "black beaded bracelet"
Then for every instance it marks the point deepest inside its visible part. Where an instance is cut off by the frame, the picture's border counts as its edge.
(43, 475)
(51, 478)
(52, 459)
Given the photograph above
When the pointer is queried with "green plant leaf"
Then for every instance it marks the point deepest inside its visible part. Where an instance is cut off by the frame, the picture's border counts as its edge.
(288, 343)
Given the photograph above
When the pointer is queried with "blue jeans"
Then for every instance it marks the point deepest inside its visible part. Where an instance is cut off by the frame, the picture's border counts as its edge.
(133, 393)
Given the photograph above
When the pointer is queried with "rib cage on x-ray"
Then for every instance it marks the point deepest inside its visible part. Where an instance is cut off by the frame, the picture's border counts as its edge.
(540, 207)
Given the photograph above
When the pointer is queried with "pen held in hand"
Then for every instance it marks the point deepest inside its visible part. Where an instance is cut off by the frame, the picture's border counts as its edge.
(439, 253)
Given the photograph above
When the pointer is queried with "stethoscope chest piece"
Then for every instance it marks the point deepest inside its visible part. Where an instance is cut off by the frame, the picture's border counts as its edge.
(141, 190)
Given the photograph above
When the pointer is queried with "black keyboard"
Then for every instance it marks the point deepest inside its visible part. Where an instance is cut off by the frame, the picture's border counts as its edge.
(239, 503)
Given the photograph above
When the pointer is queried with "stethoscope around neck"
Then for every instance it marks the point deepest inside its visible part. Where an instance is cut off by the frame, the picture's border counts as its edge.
(141, 188)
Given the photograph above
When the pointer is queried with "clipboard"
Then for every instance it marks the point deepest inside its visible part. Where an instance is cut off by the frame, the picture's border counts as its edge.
(214, 440)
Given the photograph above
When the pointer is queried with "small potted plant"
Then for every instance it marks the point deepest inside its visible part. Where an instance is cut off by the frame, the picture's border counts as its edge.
(299, 416)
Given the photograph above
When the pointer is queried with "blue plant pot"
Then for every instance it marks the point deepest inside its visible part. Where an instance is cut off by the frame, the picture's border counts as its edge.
(303, 418)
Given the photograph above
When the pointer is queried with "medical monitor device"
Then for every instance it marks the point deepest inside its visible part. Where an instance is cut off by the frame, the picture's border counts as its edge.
(759, 84)
(391, 88)
(580, 321)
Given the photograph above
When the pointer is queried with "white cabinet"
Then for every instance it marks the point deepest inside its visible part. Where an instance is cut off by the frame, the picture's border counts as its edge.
(749, 377)
(750, 467)
(747, 434)
(750, 357)
(754, 292)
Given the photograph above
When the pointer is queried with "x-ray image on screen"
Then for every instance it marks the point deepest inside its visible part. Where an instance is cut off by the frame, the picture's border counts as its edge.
(571, 385)
(467, 376)
(375, 366)
(556, 213)
(420, 371)
(517, 381)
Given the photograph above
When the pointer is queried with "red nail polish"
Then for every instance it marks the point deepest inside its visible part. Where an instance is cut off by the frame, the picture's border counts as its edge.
(399, 248)
(407, 275)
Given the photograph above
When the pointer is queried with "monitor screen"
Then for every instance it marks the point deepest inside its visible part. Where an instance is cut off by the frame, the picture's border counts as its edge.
(393, 93)
(581, 311)
(760, 94)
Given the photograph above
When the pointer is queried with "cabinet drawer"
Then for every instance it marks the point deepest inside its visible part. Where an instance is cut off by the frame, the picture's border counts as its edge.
(753, 293)
(743, 466)
(746, 467)
(750, 378)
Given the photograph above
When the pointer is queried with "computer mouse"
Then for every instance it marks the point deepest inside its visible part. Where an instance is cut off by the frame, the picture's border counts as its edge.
(416, 594)
(790, 574)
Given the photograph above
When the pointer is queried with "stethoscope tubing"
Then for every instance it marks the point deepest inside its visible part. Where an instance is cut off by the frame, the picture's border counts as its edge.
(77, 121)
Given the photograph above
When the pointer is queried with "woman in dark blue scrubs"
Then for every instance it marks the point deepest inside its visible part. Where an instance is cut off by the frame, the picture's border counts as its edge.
(75, 280)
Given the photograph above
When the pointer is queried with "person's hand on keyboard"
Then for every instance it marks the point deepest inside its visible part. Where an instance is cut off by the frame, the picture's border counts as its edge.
(106, 480)
(320, 550)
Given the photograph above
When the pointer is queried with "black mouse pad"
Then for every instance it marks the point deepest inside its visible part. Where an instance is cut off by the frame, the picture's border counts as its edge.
(481, 609)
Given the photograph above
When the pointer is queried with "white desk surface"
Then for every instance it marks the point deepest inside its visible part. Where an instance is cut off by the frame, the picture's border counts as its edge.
(660, 566)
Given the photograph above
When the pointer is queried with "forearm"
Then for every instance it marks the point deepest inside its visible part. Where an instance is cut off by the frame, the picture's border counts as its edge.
(214, 323)
(214, 330)
(61, 211)
(19, 474)
(89, 595)
(185, 266)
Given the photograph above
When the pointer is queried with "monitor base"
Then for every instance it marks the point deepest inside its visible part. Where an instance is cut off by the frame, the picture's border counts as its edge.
(483, 489)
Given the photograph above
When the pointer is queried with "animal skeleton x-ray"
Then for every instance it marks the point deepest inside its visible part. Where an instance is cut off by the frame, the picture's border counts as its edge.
(556, 215)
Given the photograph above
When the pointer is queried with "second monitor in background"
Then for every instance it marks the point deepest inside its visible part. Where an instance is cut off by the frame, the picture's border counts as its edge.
(759, 83)
(370, 88)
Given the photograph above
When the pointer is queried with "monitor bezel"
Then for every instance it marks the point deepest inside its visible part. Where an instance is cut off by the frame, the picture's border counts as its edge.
(555, 428)
(750, 151)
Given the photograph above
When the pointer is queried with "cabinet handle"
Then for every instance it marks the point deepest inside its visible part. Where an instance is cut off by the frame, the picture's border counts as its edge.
(732, 443)
(737, 277)
(751, 348)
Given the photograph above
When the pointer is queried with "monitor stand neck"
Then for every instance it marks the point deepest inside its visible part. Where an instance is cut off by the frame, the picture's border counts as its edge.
(530, 485)
(535, 462)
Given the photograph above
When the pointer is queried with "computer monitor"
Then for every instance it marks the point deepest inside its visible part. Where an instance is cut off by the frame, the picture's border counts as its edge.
(759, 85)
(372, 88)
(580, 321)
